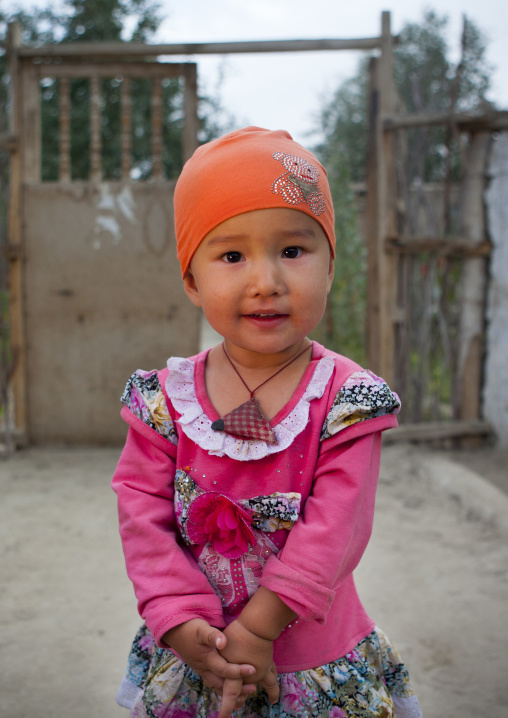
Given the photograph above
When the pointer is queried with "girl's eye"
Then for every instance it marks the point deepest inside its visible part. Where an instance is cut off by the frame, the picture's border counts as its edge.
(232, 257)
(292, 252)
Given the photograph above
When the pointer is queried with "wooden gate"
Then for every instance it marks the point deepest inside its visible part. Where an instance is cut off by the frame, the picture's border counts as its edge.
(427, 285)
(95, 290)
(94, 287)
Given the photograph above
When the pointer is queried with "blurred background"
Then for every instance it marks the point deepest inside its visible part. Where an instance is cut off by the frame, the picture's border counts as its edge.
(447, 62)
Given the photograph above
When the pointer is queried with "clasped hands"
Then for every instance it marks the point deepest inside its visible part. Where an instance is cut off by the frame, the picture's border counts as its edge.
(218, 657)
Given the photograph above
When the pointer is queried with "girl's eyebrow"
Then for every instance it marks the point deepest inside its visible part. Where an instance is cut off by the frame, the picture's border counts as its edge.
(225, 239)
(286, 234)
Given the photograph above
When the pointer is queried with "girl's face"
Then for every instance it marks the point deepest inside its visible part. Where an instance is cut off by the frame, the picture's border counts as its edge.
(262, 279)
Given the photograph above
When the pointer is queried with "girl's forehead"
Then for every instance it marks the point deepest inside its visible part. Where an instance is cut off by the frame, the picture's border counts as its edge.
(272, 220)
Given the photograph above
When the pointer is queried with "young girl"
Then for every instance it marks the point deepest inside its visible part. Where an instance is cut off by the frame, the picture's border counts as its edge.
(246, 487)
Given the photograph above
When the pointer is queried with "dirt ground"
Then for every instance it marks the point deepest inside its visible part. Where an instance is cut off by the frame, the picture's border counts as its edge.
(435, 578)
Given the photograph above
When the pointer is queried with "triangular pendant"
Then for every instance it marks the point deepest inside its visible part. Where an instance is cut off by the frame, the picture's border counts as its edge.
(246, 422)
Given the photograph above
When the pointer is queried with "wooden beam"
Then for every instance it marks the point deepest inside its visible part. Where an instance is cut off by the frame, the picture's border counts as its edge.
(386, 201)
(445, 246)
(64, 174)
(112, 69)
(30, 127)
(431, 431)
(156, 117)
(15, 237)
(95, 130)
(473, 281)
(126, 125)
(190, 105)
(372, 319)
(132, 49)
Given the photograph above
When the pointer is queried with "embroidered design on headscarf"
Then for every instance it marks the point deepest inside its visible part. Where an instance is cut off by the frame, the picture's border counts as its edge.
(299, 183)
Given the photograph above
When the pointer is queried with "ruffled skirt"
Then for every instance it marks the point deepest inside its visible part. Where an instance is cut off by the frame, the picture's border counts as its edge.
(370, 681)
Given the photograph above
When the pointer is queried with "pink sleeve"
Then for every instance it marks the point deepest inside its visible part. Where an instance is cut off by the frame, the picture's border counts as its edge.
(326, 543)
(168, 583)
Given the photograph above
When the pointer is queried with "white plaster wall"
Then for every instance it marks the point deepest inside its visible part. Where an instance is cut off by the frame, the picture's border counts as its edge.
(496, 367)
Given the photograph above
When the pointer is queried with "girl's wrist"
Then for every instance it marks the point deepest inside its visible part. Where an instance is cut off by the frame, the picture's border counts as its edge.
(255, 630)
(266, 615)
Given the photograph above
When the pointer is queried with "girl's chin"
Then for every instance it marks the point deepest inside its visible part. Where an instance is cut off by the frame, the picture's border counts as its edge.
(274, 345)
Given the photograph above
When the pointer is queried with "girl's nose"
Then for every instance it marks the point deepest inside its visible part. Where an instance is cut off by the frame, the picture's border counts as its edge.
(266, 279)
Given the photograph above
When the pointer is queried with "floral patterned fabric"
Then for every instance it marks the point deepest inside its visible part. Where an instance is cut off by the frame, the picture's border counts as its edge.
(363, 684)
(229, 538)
(363, 396)
(267, 513)
(144, 397)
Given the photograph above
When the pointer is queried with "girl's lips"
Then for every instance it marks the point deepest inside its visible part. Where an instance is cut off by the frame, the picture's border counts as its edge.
(266, 319)
(266, 314)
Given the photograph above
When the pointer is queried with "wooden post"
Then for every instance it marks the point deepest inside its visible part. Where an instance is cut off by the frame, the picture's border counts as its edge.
(157, 144)
(95, 130)
(381, 213)
(15, 240)
(191, 120)
(65, 131)
(474, 282)
(30, 116)
(372, 322)
(126, 114)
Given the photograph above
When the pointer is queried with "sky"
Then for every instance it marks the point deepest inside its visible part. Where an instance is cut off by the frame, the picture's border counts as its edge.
(287, 90)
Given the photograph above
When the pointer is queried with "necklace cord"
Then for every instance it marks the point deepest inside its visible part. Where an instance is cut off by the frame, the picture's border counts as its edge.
(252, 392)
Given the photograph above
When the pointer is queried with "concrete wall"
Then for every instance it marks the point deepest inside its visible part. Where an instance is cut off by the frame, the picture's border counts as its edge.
(104, 297)
(496, 365)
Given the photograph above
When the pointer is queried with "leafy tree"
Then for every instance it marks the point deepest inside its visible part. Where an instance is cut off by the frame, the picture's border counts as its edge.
(106, 20)
(343, 125)
(426, 81)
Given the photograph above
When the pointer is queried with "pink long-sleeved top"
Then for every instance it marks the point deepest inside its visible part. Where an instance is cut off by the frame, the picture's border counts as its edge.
(296, 515)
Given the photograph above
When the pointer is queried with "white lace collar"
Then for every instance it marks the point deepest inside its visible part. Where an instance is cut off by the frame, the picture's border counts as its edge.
(197, 426)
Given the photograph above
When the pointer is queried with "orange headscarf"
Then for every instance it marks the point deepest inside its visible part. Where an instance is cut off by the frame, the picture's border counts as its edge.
(242, 171)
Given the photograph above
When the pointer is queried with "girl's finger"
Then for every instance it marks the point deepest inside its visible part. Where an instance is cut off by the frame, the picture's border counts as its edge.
(231, 693)
(212, 637)
(216, 684)
(212, 681)
(271, 686)
(230, 671)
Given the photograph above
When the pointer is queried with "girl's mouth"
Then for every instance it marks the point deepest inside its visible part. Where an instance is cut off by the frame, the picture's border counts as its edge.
(262, 318)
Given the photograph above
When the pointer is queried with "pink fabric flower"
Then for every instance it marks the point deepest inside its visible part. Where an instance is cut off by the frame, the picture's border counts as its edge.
(215, 518)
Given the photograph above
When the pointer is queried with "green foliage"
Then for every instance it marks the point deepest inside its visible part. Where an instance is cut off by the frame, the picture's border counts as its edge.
(106, 20)
(343, 124)
(343, 329)
(428, 82)
(426, 79)
(421, 69)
